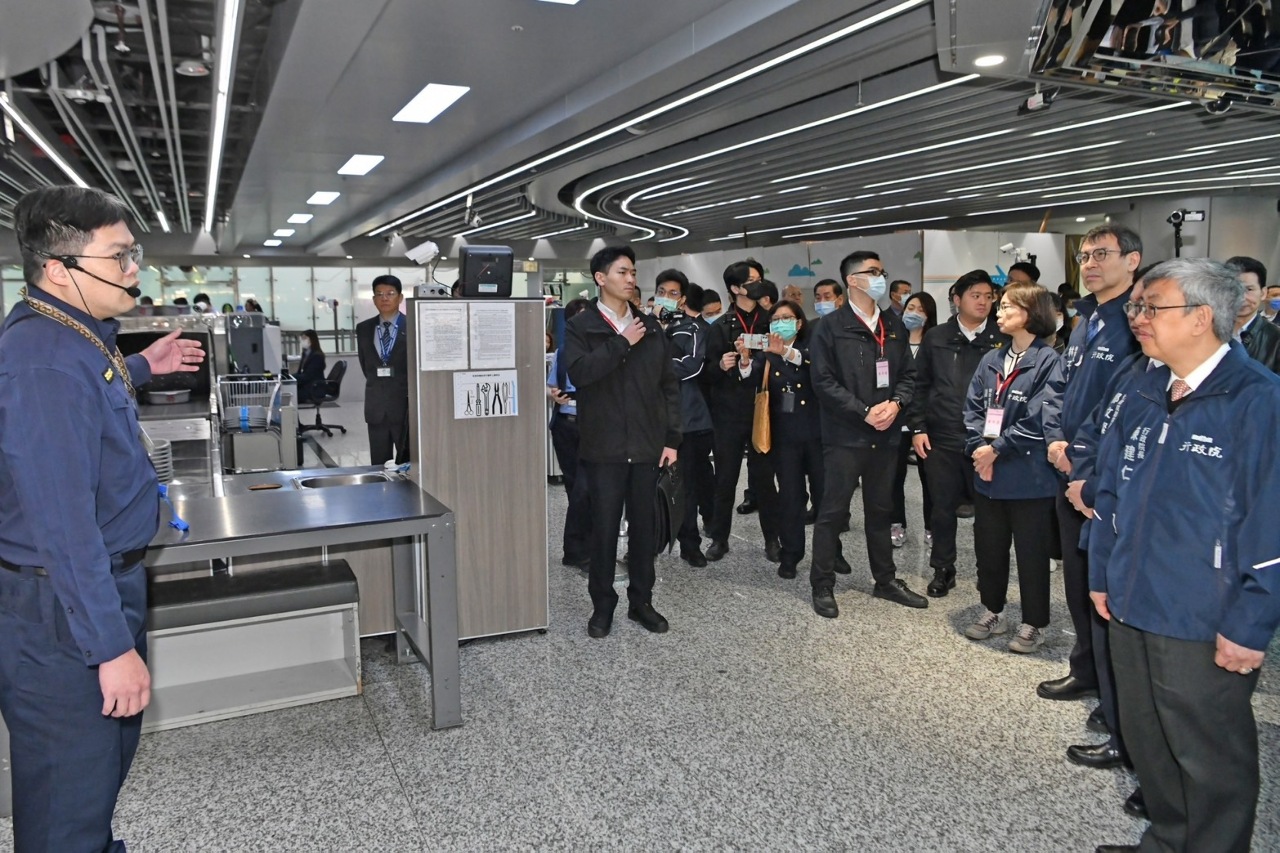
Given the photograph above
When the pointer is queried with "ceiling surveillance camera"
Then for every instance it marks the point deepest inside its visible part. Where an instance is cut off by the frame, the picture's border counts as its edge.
(423, 253)
(1007, 248)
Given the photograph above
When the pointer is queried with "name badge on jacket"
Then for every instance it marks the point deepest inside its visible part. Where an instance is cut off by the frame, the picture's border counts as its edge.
(385, 372)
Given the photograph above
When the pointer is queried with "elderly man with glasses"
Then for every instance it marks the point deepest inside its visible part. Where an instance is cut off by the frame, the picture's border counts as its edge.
(1185, 558)
(383, 349)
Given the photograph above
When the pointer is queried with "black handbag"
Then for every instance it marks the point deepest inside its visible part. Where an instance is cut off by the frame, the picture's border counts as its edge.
(669, 508)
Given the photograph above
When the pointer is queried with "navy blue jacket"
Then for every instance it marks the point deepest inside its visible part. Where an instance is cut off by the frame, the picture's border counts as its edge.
(1087, 368)
(76, 486)
(1083, 452)
(688, 341)
(1186, 544)
(1022, 470)
(802, 423)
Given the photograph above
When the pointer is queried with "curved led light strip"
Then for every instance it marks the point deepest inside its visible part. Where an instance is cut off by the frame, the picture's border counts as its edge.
(625, 206)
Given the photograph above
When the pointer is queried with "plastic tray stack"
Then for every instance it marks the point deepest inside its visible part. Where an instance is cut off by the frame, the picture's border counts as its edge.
(161, 456)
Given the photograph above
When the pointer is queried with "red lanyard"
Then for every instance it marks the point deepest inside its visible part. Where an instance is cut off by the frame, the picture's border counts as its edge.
(879, 338)
(1002, 384)
(616, 328)
(750, 330)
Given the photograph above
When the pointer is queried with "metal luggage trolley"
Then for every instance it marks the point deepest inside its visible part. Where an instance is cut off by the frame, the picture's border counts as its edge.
(259, 420)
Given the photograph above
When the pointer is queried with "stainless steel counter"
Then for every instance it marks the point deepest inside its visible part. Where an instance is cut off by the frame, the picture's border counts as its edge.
(245, 523)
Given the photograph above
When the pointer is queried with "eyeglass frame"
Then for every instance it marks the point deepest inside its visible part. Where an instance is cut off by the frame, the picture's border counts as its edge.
(133, 254)
(872, 273)
(1082, 257)
(1146, 309)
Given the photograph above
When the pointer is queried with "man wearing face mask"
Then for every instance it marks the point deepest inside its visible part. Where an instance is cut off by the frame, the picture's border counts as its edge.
(1260, 338)
(712, 309)
(828, 296)
(732, 408)
(863, 377)
(948, 357)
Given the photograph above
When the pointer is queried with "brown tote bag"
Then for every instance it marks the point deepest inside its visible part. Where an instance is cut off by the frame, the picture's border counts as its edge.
(761, 431)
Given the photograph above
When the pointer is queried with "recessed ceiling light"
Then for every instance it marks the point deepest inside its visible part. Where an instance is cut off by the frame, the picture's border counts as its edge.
(324, 197)
(271, 243)
(434, 99)
(361, 164)
(348, 257)
(991, 60)
(1081, 218)
(563, 2)
(284, 232)
(301, 218)
(247, 257)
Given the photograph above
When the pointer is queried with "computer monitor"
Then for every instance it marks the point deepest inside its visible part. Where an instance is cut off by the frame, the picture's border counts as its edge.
(485, 271)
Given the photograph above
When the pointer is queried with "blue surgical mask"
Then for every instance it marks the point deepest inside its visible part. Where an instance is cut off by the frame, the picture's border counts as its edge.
(711, 318)
(1071, 312)
(824, 308)
(912, 320)
(785, 328)
(877, 287)
(1274, 303)
(666, 303)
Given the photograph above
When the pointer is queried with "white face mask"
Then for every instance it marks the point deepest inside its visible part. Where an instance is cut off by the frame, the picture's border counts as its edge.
(711, 318)
(1061, 323)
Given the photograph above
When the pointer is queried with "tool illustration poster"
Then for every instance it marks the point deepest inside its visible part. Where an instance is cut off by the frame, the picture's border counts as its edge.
(484, 394)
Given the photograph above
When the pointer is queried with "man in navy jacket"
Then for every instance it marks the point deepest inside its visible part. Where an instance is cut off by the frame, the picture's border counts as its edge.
(1185, 560)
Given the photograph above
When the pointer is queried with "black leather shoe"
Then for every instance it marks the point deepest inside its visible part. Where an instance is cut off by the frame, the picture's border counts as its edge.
(1066, 688)
(747, 506)
(1115, 848)
(824, 604)
(787, 570)
(1097, 722)
(944, 580)
(1136, 805)
(841, 566)
(651, 619)
(694, 558)
(811, 516)
(717, 550)
(896, 591)
(1102, 756)
(964, 511)
(583, 563)
(599, 624)
(773, 551)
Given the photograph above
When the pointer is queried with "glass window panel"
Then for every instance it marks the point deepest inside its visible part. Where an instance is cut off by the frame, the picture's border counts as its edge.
(292, 302)
(150, 282)
(255, 283)
(335, 283)
(364, 277)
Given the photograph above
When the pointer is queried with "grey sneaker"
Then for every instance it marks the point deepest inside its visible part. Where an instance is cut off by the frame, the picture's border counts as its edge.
(1027, 640)
(898, 534)
(990, 623)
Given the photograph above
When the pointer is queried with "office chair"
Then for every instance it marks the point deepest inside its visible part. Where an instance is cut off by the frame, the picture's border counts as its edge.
(329, 393)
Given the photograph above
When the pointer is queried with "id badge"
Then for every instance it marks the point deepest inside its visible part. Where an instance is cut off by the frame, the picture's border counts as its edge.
(994, 424)
(385, 373)
(788, 401)
(882, 373)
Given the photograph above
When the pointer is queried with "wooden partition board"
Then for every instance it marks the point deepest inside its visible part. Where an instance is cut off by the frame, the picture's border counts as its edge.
(491, 471)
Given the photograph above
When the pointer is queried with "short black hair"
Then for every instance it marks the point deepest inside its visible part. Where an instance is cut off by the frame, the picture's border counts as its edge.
(605, 258)
(736, 274)
(769, 289)
(968, 280)
(829, 282)
(1244, 263)
(930, 307)
(1126, 238)
(146, 300)
(710, 297)
(387, 279)
(693, 297)
(855, 259)
(1028, 268)
(755, 265)
(202, 297)
(575, 307)
(893, 285)
(53, 221)
(181, 300)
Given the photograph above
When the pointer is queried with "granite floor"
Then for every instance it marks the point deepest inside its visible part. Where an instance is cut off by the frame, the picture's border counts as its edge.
(753, 724)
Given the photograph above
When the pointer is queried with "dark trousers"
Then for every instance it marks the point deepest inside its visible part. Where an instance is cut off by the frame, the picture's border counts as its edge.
(383, 437)
(577, 520)
(1025, 524)
(731, 438)
(612, 486)
(845, 466)
(900, 486)
(794, 462)
(69, 761)
(699, 486)
(949, 473)
(1193, 741)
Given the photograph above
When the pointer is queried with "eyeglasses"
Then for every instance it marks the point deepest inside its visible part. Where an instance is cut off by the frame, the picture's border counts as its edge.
(1146, 309)
(385, 294)
(131, 255)
(873, 272)
(1098, 255)
(1002, 307)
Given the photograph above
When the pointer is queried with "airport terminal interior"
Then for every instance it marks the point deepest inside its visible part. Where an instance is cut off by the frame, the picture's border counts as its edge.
(354, 655)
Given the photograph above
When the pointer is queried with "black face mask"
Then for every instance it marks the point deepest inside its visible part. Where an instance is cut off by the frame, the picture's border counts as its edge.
(756, 292)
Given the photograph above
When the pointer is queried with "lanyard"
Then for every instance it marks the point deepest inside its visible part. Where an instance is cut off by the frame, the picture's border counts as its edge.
(1003, 383)
(750, 330)
(877, 334)
(616, 328)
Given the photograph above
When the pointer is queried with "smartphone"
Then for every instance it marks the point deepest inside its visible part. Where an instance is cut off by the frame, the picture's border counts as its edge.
(755, 341)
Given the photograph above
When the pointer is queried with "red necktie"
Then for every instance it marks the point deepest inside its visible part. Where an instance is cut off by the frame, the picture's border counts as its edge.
(1178, 390)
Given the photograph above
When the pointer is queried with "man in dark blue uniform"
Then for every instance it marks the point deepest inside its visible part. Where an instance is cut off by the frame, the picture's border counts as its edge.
(78, 504)
(1184, 560)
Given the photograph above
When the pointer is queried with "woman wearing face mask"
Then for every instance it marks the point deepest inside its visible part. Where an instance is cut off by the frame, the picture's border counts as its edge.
(1062, 334)
(919, 315)
(310, 374)
(793, 416)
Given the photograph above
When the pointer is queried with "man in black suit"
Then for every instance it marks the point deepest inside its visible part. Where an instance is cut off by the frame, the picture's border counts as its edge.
(384, 357)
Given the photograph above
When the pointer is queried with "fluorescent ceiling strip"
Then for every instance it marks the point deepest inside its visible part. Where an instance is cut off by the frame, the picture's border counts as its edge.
(1255, 169)
(227, 32)
(790, 227)
(793, 189)
(1066, 127)
(1236, 142)
(558, 233)
(300, 218)
(31, 133)
(1213, 179)
(360, 164)
(499, 224)
(894, 156)
(795, 207)
(1067, 201)
(678, 189)
(839, 217)
(164, 221)
(698, 207)
(1087, 171)
(1127, 178)
(866, 227)
(855, 27)
(998, 164)
(434, 99)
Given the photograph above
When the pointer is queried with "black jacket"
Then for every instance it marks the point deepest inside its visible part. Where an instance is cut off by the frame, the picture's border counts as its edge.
(803, 422)
(386, 398)
(944, 368)
(628, 396)
(843, 355)
(1262, 341)
(730, 399)
(688, 341)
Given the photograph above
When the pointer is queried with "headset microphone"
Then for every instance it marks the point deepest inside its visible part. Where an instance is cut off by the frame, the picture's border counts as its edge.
(71, 263)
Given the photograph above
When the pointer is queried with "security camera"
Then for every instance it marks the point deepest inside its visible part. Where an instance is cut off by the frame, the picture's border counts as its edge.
(1218, 106)
(423, 253)
(1176, 217)
(1007, 248)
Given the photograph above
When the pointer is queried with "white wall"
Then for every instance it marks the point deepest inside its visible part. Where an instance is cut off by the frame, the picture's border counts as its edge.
(950, 254)
(1234, 225)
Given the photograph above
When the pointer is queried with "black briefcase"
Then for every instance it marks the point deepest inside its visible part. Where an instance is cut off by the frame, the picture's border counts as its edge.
(669, 510)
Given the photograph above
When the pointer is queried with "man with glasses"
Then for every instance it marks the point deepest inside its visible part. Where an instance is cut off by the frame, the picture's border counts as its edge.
(1185, 558)
(81, 503)
(384, 358)
(1261, 338)
(864, 376)
(1100, 344)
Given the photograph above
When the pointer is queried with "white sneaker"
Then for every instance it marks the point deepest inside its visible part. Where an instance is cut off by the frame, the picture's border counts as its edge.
(1027, 640)
(928, 539)
(990, 623)
(898, 535)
